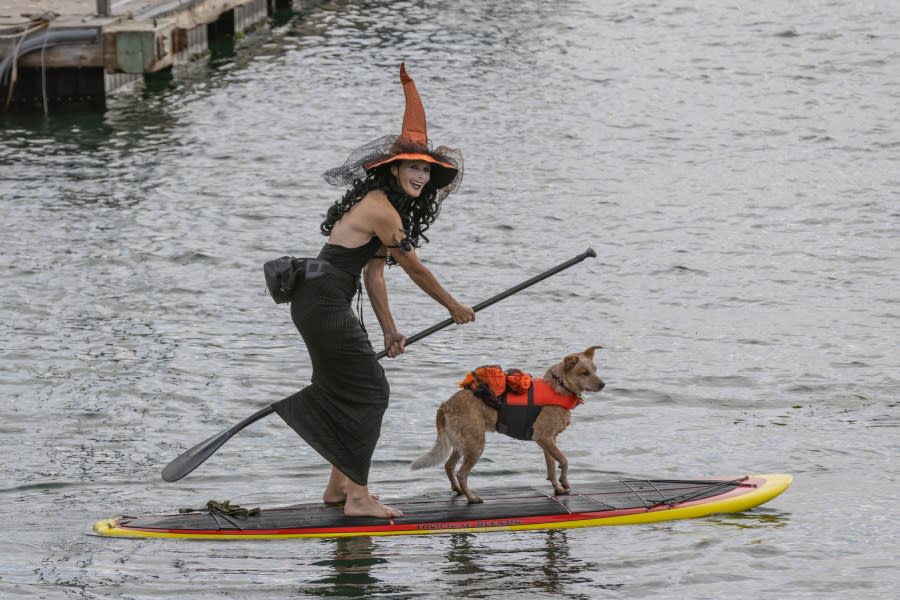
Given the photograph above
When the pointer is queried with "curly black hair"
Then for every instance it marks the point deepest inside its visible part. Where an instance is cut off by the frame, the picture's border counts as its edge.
(417, 214)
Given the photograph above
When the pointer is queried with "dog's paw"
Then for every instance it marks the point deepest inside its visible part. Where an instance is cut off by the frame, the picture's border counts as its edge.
(561, 491)
(475, 499)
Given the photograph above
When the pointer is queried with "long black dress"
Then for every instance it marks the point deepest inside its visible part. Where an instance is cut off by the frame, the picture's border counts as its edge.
(339, 414)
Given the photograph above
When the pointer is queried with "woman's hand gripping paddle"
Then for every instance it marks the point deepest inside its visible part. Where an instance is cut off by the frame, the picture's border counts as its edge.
(194, 457)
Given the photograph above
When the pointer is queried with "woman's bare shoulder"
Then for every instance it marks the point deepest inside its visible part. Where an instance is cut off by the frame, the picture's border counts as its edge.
(375, 199)
(375, 204)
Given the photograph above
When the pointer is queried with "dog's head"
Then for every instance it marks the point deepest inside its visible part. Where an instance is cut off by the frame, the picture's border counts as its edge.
(578, 372)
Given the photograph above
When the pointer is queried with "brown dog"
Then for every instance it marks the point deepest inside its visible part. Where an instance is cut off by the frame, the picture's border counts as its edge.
(463, 419)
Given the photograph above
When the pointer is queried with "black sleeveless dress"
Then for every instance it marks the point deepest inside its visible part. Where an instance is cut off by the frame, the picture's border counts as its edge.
(339, 414)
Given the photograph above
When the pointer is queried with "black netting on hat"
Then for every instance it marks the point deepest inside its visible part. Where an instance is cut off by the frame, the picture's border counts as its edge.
(355, 167)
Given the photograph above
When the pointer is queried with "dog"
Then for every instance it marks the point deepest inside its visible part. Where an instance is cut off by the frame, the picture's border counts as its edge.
(463, 419)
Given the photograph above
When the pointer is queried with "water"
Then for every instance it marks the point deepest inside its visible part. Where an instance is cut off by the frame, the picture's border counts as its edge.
(734, 167)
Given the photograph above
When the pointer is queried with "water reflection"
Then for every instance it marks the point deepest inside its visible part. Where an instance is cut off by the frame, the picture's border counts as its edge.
(759, 518)
(538, 562)
(460, 557)
(534, 561)
(351, 571)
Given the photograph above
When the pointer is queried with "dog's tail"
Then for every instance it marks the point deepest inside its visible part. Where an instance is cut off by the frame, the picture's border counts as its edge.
(441, 449)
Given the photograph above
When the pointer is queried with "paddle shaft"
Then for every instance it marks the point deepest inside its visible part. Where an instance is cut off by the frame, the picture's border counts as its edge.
(193, 458)
(493, 300)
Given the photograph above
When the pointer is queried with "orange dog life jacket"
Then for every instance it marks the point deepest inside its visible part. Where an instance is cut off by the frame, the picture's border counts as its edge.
(492, 382)
(543, 395)
(517, 396)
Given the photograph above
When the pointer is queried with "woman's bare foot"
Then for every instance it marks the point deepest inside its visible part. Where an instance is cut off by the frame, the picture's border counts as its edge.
(357, 500)
(333, 499)
(336, 492)
(369, 506)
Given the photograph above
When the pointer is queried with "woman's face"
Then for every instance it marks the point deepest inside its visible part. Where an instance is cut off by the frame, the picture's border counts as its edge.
(412, 175)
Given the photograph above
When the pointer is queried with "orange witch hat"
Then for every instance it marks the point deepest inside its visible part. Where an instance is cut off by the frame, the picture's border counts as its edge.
(411, 144)
(414, 128)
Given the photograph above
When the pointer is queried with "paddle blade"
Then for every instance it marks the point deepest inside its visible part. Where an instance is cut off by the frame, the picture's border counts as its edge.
(194, 457)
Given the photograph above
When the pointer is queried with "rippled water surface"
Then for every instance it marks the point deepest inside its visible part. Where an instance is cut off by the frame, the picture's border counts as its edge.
(735, 166)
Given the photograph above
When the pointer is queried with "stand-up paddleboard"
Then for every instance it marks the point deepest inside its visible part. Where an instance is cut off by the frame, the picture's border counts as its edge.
(624, 502)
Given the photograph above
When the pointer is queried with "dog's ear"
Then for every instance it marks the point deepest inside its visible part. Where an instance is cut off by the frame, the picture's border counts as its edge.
(571, 361)
(590, 352)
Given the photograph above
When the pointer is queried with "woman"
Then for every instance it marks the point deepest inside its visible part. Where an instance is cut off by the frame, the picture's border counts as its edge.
(397, 186)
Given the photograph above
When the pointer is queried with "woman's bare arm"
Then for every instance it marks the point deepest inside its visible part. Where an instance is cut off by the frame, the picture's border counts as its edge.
(394, 341)
(389, 229)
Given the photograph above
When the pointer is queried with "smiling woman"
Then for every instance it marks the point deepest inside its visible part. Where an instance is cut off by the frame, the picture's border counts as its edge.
(411, 175)
(397, 185)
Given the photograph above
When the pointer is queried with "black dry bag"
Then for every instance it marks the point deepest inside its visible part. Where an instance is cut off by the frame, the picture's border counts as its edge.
(283, 275)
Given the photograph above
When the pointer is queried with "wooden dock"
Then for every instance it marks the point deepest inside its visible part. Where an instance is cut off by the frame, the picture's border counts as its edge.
(63, 54)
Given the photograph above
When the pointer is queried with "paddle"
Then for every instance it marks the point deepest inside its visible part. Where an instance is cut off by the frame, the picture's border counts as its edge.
(194, 457)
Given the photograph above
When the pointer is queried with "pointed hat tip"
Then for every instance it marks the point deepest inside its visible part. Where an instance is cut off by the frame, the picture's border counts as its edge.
(414, 128)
